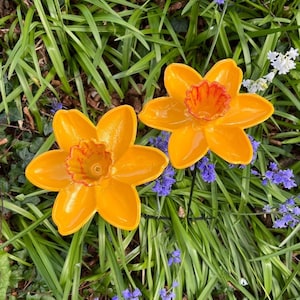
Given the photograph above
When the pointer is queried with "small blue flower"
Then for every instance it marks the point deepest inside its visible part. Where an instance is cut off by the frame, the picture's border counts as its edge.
(175, 257)
(165, 295)
(286, 214)
(132, 295)
(277, 176)
(283, 209)
(296, 211)
(168, 294)
(161, 141)
(290, 201)
(280, 223)
(255, 144)
(267, 209)
(128, 295)
(219, 1)
(273, 166)
(55, 106)
(254, 172)
(207, 170)
(163, 184)
(288, 218)
(136, 293)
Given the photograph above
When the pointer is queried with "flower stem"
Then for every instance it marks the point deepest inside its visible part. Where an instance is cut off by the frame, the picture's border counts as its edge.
(194, 173)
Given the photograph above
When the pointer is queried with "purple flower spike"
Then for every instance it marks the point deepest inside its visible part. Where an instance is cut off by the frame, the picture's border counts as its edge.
(175, 257)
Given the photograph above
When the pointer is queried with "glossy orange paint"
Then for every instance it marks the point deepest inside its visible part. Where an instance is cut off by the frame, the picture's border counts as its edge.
(206, 113)
(96, 169)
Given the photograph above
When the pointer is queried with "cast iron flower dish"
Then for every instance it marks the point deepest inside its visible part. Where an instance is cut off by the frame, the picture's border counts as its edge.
(206, 113)
(96, 169)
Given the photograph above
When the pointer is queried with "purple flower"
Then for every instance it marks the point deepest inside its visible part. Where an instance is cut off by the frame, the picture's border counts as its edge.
(55, 106)
(283, 208)
(136, 293)
(276, 176)
(207, 170)
(219, 1)
(161, 141)
(286, 177)
(288, 218)
(280, 223)
(267, 209)
(163, 184)
(254, 172)
(273, 166)
(290, 201)
(168, 294)
(269, 175)
(128, 295)
(165, 295)
(287, 214)
(175, 257)
(255, 144)
(296, 211)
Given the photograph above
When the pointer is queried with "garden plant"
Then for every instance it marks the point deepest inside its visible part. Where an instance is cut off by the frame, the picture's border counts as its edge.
(149, 149)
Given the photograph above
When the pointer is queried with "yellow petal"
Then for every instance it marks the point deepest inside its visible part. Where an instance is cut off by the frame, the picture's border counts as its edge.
(119, 205)
(250, 110)
(187, 146)
(178, 78)
(48, 170)
(71, 126)
(227, 73)
(140, 164)
(164, 113)
(230, 143)
(73, 207)
(117, 128)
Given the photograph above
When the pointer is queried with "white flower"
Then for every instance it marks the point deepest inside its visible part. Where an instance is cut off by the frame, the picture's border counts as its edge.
(283, 63)
(272, 55)
(250, 85)
(270, 76)
(246, 83)
(262, 84)
(292, 53)
(255, 86)
(243, 282)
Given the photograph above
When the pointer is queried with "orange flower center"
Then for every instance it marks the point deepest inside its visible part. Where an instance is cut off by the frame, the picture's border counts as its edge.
(89, 162)
(207, 100)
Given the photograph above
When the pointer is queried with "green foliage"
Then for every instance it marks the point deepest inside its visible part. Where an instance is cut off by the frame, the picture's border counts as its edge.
(4, 273)
(62, 49)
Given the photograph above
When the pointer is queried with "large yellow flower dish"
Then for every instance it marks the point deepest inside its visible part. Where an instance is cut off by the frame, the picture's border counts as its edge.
(206, 113)
(96, 169)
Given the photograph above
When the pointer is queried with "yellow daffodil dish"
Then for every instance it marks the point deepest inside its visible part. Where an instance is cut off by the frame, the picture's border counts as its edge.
(206, 113)
(96, 169)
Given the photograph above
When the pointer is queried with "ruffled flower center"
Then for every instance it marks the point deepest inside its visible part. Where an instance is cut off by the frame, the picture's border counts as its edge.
(207, 100)
(89, 162)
